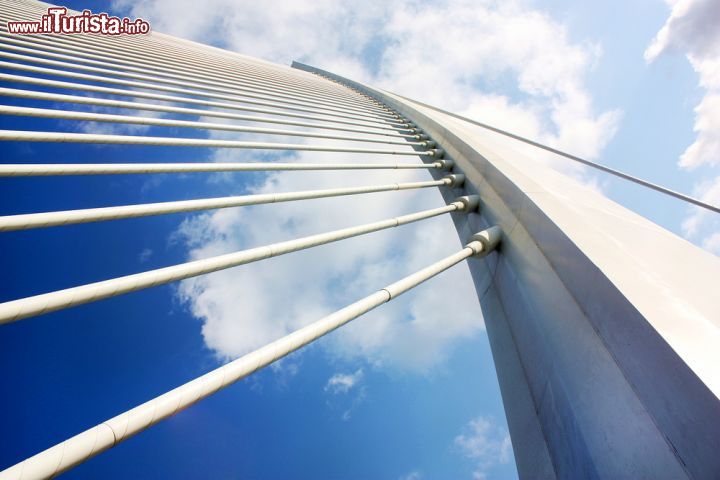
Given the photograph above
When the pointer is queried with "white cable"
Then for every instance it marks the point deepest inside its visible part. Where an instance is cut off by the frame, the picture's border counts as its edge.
(43, 169)
(15, 310)
(80, 448)
(30, 136)
(86, 215)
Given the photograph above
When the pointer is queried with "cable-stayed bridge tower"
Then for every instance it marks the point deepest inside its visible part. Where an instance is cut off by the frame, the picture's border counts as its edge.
(604, 327)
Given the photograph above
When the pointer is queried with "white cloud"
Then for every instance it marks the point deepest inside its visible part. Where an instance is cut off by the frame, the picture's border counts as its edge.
(486, 47)
(414, 475)
(346, 392)
(343, 382)
(692, 28)
(145, 255)
(246, 307)
(285, 370)
(485, 443)
(501, 62)
(504, 63)
(109, 128)
(284, 31)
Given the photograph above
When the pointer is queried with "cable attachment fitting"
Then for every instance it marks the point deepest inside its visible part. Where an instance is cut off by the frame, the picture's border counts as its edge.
(446, 164)
(471, 203)
(456, 180)
(486, 241)
(437, 152)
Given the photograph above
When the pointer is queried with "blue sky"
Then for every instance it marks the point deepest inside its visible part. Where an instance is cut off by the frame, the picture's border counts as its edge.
(403, 392)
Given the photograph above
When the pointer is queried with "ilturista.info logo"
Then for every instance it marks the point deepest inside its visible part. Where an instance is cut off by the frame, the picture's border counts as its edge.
(58, 21)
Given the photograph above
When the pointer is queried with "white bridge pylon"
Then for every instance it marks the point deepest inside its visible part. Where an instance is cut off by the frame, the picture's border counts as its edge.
(604, 327)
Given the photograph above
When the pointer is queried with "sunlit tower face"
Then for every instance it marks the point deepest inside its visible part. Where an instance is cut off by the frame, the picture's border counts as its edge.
(582, 298)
